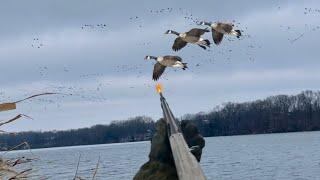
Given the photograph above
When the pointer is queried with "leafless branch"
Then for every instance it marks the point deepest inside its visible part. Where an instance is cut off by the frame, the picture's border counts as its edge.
(75, 176)
(15, 118)
(96, 169)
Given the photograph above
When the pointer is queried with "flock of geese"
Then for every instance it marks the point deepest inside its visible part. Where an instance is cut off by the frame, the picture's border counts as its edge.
(193, 36)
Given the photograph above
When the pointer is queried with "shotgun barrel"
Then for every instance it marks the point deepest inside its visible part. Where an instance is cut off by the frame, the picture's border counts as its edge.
(186, 164)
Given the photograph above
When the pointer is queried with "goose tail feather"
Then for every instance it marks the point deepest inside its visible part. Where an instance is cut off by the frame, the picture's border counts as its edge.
(184, 66)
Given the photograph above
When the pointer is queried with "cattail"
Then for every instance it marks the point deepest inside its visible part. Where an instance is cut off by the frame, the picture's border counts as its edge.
(7, 106)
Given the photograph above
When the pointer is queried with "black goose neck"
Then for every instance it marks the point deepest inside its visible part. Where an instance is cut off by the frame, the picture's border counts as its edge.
(153, 57)
(175, 32)
(208, 24)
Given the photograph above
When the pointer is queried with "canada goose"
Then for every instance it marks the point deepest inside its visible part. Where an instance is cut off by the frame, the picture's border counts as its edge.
(219, 29)
(193, 36)
(163, 62)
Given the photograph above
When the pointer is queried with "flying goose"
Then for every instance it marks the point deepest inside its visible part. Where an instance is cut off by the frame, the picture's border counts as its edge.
(163, 62)
(193, 36)
(219, 29)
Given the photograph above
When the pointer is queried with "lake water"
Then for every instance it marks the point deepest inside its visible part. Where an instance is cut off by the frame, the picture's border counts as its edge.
(268, 156)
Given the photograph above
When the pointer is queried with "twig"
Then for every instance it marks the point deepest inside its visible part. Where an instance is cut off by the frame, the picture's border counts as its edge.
(12, 105)
(21, 173)
(75, 176)
(15, 118)
(20, 161)
(19, 145)
(96, 169)
(39, 95)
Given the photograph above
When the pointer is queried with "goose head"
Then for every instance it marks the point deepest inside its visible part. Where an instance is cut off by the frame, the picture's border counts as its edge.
(171, 32)
(147, 57)
(168, 32)
(150, 57)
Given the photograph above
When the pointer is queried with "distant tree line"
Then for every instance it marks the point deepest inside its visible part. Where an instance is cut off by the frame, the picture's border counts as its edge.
(274, 114)
(135, 129)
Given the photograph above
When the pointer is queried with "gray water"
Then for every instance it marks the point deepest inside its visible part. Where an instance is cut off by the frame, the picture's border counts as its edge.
(268, 156)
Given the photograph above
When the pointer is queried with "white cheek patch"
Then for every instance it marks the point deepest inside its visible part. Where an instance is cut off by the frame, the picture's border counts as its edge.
(159, 59)
(183, 35)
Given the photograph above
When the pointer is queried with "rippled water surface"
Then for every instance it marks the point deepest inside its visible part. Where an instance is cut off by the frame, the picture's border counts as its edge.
(270, 156)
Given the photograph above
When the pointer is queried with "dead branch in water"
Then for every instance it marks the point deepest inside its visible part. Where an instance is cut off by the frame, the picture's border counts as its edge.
(22, 174)
(96, 169)
(21, 161)
(19, 145)
(75, 175)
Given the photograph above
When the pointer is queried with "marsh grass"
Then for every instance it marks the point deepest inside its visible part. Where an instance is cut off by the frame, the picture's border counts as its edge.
(8, 166)
(95, 170)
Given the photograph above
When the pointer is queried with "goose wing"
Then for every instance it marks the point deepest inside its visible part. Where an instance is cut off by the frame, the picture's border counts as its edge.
(197, 32)
(158, 71)
(226, 27)
(173, 58)
(178, 44)
(217, 36)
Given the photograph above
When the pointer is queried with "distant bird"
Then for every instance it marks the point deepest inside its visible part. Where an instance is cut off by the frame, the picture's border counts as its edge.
(193, 36)
(219, 29)
(165, 61)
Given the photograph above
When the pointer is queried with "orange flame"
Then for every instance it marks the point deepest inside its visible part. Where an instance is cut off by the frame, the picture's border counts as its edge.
(159, 88)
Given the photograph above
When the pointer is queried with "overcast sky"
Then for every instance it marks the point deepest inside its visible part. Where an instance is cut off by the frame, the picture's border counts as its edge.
(105, 70)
